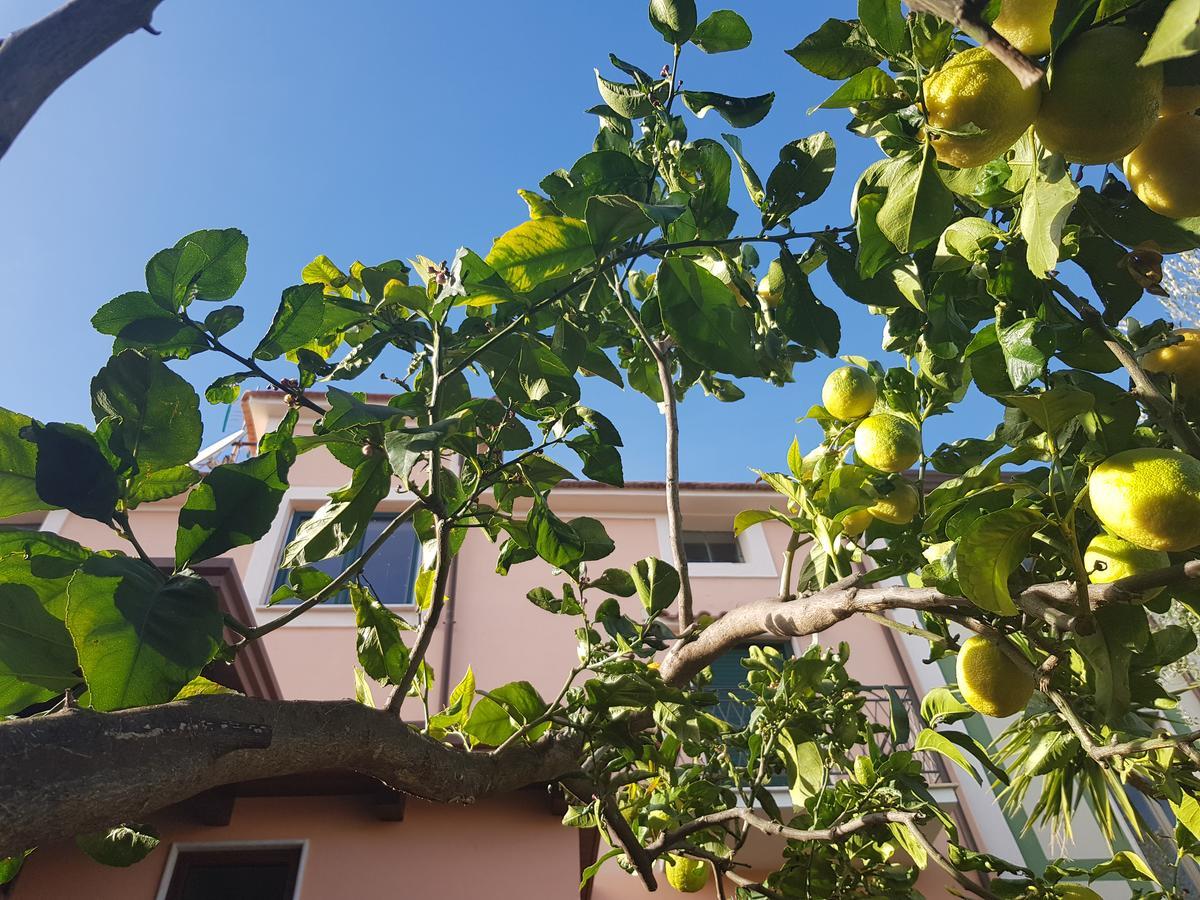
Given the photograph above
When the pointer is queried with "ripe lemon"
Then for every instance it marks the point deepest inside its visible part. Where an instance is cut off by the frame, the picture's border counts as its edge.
(857, 522)
(976, 89)
(1026, 24)
(1109, 558)
(898, 507)
(686, 875)
(848, 393)
(1162, 168)
(990, 682)
(1149, 497)
(887, 443)
(1180, 361)
(770, 289)
(1101, 103)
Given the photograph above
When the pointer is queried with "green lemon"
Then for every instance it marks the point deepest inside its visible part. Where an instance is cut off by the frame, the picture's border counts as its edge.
(1149, 497)
(1109, 558)
(686, 875)
(848, 393)
(887, 443)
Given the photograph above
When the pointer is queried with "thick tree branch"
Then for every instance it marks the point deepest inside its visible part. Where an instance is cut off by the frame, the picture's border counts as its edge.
(78, 771)
(36, 60)
(967, 17)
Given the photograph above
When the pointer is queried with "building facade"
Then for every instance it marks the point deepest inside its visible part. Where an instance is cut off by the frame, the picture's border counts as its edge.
(334, 834)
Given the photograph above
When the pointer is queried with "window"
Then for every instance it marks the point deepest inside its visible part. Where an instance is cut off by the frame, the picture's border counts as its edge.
(728, 676)
(390, 572)
(711, 547)
(252, 873)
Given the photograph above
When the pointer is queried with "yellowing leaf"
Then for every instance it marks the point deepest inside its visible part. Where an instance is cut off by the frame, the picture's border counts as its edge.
(540, 249)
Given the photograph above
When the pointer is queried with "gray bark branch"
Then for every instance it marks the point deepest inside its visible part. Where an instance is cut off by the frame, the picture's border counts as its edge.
(967, 17)
(35, 61)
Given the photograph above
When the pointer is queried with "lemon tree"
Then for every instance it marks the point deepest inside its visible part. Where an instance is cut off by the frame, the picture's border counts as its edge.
(1055, 559)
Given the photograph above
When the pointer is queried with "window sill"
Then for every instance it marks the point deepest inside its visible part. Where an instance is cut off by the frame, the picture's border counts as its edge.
(326, 616)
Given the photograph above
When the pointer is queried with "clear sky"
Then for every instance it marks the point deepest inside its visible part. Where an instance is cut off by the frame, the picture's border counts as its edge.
(371, 130)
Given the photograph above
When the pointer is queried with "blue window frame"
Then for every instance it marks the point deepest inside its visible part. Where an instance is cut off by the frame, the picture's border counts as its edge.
(391, 572)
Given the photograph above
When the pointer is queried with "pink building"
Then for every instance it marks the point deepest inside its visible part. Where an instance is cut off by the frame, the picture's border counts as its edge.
(335, 834)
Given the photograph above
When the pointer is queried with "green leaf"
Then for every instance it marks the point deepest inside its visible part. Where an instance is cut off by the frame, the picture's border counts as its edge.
(701, 314)
(18, 467)
(1121, 631)
(596, 542)
(223, 320)
(630, 100)
(298, 320)
(1049, 196)
(381, 651)
(750, 178)
(965, 243)
(1177, 34)
(136, 320)
(121, 845)
(202, 687)
(615, 581)
(1128, 865)
(457, 708)
(540, 249)
(224, 267)
(869, 84)
(914, 848)
(1187, 812)
(978, 751)
(675, 20)
(340, 524)
(140, 636)
(657, 584)
(833, 51)
(10, 867)
(613, 219)
(233, 505)
(722, 31)
(805, 768)
(801, 316)
(1027, 349)
(988, 552)
(941, 707)
(748, 518)
(500, 713)
(801, 176)
(884, 22)
(937, 742)
(918, 206)
(1052, 409)
(554, 540)
(72, 472)
(740, 112)
(159, 411)
(170, 274)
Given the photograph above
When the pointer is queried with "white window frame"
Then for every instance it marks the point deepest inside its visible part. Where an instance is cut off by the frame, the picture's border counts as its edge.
(164, 884)
(264, 563)
(757, 560)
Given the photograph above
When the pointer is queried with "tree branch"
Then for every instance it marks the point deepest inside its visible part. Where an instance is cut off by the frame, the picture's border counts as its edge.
(77, 771)
(425, 634)
(967, 17)
(36, 61)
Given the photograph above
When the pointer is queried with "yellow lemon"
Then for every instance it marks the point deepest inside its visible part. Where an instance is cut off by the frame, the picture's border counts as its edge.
(898, 507)
(1101, 103)
(974, 90)
(848, 393)
(856, 523)
(770, 289)
(1026, 24)
(1180, 361)
(1149, 497)
(1162, 168)
(990, 682)
(1109, 558)
(887, 443)
(686, 875)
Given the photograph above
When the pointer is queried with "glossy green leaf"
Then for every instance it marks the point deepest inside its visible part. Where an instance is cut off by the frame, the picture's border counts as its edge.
(554, 540)
(740, 112)
(498, 714)
(135, 320)
(675, 20)
(702, 315)
(341, 523)
(869, 84)
(723, 31)
(224, 267)
(298, 320)
(1026, 351)
(18, 467)
(1049, 196)
(803, 173)
(884, 22)
(988, 552)
(1053, 408)
(121, 845)
(540, 249)
(657, 584)
(72, 472)
(1121, 631)
(1177, 34)
(139, 635)
(918, 206)
(835, 51)
(381, 651)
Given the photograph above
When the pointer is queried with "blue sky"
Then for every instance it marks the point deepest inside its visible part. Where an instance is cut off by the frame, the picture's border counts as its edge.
(369, 131)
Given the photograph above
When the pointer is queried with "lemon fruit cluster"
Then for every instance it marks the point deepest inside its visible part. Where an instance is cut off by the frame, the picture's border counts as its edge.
(1026, 24)
(990, 682)
(1181, 361)
(976, 109)
(887, 443)
(686, 875)
(848, 393)
(1149, 497)
(1109, 558)
(1101, 104)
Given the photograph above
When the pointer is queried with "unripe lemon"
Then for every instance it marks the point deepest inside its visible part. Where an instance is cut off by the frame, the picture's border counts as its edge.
(770, 289)
(848, 393)
(1026, 24)
(990, 682)
(686, 875)
(1162, 168)
(1149, 497)
(975, 88)
(1101, 103)
(1076, 892)
(1180, 361)
(857, 522)
(887, 443)
(1109, 558)
(898, 507)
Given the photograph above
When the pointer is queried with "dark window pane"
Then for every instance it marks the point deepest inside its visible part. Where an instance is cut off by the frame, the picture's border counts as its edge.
(695, 551)
(725, 552)
(253, 873)
(711, 546)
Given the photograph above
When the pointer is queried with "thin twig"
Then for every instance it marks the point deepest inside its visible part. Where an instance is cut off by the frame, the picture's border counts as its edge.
(425, 632)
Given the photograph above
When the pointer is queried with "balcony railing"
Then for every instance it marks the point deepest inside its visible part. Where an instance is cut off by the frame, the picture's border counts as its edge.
(877, 708)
